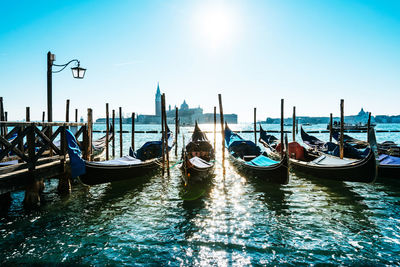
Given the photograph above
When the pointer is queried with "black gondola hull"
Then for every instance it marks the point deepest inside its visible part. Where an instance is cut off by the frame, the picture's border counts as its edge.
(96, 174)
(194, 174)
(389, 171)
(364, 170)
(278, 173)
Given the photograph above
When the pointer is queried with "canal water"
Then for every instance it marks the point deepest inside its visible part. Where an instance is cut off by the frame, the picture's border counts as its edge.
(233, 221)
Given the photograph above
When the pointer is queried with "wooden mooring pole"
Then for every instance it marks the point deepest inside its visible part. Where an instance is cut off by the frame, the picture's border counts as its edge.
(255, 126)
(133, 132)
(115, 133)
(368, 125)
(76, 115)
(221, 114)
(5, 119)
(67, 111)
(163, 130)
(330, 127)
(282, 129)
(165, 133)
(215, 127)
(64, 182)
(107, 132)
(43, 116)
(294, 124)
(90, 133)
(176, 130)
(28, 114)
(1, 116)
(120, 132)
(341, 127)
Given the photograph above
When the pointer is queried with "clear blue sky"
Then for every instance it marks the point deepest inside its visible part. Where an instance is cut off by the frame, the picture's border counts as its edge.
(311, 53)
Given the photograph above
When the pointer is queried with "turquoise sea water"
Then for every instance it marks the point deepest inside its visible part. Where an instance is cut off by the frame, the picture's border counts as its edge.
(235, 220)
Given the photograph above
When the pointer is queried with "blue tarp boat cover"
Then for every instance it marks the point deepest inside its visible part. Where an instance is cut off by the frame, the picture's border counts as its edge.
(262, 161)
(75, 156)
(241, 147)
(388, 160)
(269, 139)
(151, 149)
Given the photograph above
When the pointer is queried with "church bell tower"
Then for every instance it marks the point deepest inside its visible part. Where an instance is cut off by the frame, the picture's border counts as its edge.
(158, 101)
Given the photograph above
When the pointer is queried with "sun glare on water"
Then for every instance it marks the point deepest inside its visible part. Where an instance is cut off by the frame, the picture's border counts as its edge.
(216, 24)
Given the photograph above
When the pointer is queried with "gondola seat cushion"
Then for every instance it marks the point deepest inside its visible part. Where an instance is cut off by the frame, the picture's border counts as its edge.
(296, 151)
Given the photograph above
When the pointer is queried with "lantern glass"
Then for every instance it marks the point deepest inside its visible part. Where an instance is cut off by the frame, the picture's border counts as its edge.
(78, 72)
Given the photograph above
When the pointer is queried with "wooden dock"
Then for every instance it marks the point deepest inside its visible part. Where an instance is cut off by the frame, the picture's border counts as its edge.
(33, 151)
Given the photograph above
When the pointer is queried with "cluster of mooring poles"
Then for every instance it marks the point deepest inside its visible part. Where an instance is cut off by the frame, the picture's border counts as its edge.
(49, 160)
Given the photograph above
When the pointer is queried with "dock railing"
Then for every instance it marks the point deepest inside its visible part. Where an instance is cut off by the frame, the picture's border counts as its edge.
(29, 142)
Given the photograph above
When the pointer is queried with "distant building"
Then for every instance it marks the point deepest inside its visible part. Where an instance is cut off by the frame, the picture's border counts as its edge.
(361, 117)
(186, 114)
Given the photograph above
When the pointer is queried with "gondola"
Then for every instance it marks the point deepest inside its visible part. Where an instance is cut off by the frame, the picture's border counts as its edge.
(333, 148)
(387, 147)
(197, 158)
(326, 166)
(144, 161)
(249, 159)
(389, 157)
(99, 145)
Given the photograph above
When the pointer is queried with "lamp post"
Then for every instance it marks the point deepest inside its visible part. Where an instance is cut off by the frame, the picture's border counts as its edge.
(77, 73)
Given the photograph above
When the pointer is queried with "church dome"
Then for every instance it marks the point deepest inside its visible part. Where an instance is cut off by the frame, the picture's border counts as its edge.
(184, 105)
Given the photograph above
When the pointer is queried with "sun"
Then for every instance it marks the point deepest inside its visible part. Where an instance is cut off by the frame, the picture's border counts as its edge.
(215, 24)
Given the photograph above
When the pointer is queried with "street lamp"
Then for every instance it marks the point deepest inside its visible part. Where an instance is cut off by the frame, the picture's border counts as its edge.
(77, 73)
